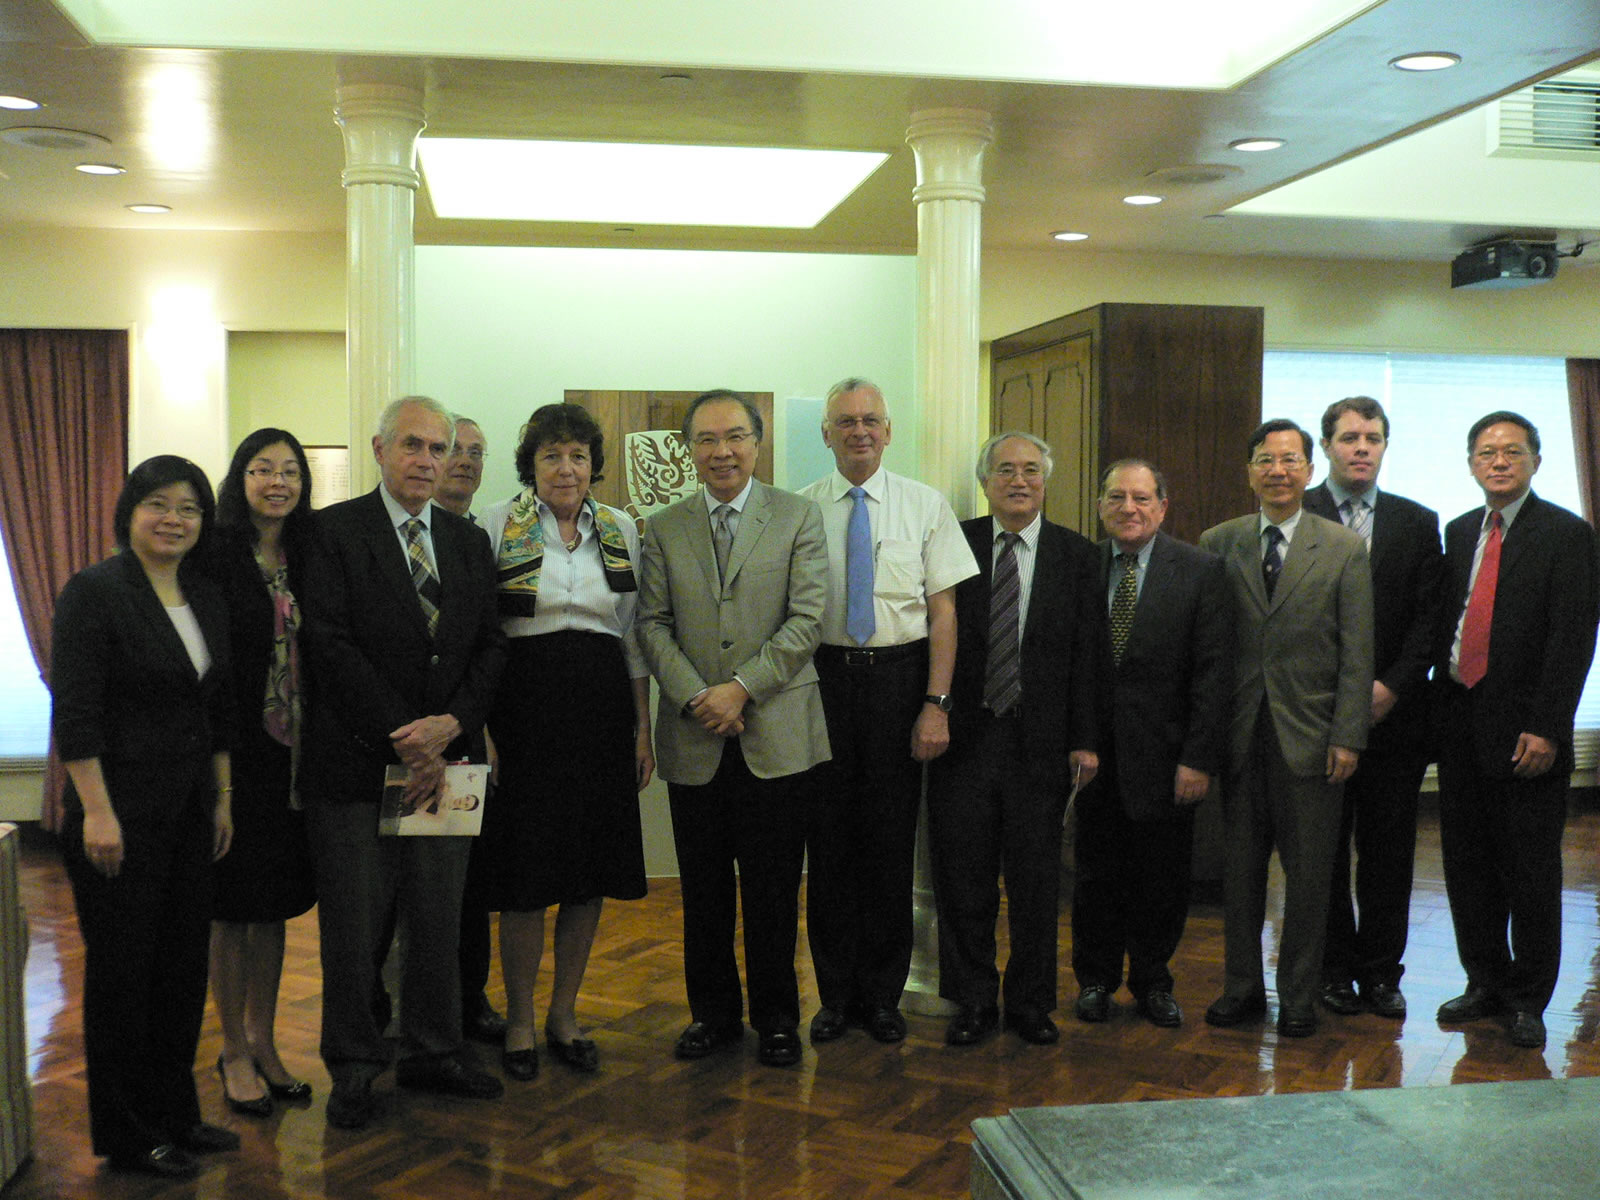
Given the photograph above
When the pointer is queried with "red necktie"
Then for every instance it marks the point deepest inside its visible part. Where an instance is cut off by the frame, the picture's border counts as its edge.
(1473, 664)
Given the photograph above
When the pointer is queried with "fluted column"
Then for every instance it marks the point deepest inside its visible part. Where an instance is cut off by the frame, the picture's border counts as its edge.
(380, 122)
(948, 144)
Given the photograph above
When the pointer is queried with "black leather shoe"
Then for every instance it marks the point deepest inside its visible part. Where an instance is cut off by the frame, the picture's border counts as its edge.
(295, 1090)
(1094, 1003)
(1160, 1009)
(260, 1106)
(448, 1076)
(350, 1104)
(886, 1025)
(780, 1047)
(1472, 1005)
(1341, 998)
(971, 1025)
(1035, 1027)
(481, 1023)
(829, 1025)
(581, 1054)
(1229, 1010)
(1385, 1000)
(1293, 1024)
(702, 1039)
(1527, 1030)
(201, 1138)
(164, 1160)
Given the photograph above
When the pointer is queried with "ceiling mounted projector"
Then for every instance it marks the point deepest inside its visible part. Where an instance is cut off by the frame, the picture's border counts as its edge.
(1504, 263)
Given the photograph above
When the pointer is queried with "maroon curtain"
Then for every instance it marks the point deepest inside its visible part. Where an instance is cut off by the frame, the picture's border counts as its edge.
(1583, 396)
(64, 401)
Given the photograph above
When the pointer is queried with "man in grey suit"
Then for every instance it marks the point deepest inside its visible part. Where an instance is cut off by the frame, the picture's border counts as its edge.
(731, 594)
(1302, 701)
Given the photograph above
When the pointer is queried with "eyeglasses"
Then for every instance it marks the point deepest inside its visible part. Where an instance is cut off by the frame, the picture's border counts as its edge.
(1289, 462)
(475, 453)
(1512, 454)
(869, 422)
(733, 441)
(161, 510)
(1028, 471)
(1137, 499)
(264, 474)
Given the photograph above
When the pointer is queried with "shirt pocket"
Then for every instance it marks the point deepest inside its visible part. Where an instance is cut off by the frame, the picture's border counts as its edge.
(899, 570)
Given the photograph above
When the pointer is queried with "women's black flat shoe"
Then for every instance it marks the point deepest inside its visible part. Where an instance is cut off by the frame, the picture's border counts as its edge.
(165, 1160)
(295, 1089)
(521, 1065)
(261, 1106)
(580, 1054)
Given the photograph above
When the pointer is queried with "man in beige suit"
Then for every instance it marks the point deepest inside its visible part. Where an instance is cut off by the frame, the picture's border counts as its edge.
(731, 594)
(1302, 700)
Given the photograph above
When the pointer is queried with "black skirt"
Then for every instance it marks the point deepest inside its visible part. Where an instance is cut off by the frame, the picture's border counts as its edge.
(562, 825)
(266, 874)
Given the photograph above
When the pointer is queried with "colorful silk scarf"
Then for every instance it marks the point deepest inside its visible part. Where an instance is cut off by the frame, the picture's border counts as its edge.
(521, 554)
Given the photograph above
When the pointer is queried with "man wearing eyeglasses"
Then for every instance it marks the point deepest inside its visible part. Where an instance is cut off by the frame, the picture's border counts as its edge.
(1302, 702)
(1521, 601)
(895, 555)
(463, 469)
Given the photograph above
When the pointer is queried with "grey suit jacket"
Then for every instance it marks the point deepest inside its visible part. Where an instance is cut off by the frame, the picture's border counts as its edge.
(1309, 650)
(762, 625)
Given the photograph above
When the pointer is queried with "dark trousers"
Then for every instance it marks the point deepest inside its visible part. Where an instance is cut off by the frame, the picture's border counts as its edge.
(1267, 806)
(1380, 814)
(367, 884)
(476, 940)
(758, 825)
(146, 935)
(1501, 843)
(991, 810)
(1130, 892)
(862, 830)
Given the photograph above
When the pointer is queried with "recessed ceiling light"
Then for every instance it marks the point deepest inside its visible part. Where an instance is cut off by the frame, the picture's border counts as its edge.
(678, 78)
(18, 103)
(48, 137)
(1141, 199)
(1067, 235)
(149, 208)
(1254, 145)
(1425, 60)
(102, 169)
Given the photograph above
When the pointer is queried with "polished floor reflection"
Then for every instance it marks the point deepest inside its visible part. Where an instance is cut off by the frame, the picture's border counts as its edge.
(855, 1120)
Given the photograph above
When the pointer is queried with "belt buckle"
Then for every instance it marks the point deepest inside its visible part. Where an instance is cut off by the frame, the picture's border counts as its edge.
(857, 657)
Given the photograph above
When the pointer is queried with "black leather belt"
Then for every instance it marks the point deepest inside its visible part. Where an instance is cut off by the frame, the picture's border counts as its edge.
(873, 656)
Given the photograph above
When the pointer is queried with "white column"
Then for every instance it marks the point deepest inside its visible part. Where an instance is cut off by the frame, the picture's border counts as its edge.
(380, 122)
(949, 145)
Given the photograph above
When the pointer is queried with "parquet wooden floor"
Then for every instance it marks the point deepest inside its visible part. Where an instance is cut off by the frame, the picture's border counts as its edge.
(856, 1120)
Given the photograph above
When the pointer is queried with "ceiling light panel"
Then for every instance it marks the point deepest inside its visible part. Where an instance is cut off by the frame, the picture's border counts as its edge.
(639, 184)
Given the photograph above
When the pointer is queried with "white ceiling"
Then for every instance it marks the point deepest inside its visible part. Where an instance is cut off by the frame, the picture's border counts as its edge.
(243, 138)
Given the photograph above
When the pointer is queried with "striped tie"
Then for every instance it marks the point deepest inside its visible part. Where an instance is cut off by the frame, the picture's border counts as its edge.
(422, 576)
(1272, 564)
(1358, 516)
(1122, 605)
(1002, 685)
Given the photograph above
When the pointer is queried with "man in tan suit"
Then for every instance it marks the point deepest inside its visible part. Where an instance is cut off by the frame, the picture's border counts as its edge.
(731, 594)
(1302, 700)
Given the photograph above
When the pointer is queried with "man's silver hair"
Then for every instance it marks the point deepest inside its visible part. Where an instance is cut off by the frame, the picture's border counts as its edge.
(853, 383)
(986, 452)
(389, 418)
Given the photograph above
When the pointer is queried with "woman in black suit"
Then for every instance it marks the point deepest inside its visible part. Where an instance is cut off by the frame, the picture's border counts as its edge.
(263, 518)
(138, 672)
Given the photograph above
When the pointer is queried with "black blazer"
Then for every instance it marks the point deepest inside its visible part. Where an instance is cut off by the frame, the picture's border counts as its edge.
(1060, 648)
(372, 665)
(1541, 641)
(1172, 695)
(1407, 572)
(232, 564)
(124, 690)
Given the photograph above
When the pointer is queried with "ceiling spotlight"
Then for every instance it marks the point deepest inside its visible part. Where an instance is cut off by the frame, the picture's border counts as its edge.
(18, 103)
(1067, 235)
(1141, 199)
(1425, 60)
(102, 169)
(149, 208)
(1254, 145)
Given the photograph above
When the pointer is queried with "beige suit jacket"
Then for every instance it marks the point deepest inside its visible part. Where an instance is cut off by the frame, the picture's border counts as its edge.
(1309, 650)
(762, 625)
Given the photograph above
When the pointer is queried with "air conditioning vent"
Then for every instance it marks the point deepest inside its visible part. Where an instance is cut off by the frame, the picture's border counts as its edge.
(1558, 118)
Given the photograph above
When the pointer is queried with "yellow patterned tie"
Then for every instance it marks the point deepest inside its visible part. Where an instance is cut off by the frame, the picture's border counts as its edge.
(1122, 604)
(422, 576)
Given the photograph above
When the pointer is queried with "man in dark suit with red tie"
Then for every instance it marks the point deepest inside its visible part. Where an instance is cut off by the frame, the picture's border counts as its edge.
(1169, 705)
(1380, 799)
(1023, 728)
(1521, 601)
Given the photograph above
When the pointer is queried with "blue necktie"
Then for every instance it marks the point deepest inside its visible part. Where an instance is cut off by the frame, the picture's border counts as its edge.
(859, 622)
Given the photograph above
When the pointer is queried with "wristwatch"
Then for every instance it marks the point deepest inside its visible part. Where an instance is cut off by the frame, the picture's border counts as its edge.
(942, 702)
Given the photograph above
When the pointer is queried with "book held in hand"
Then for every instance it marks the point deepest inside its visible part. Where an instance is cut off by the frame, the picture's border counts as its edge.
(455, 810)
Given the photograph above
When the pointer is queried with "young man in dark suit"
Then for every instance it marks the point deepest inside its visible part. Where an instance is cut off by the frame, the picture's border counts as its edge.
(1023, 728)
(1380, 799)
(404, 650)
(1166, 739)
(1521, 600)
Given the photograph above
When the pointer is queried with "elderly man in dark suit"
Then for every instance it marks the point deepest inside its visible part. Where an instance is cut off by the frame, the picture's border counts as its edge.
(1380, 799)
(1023, 730)
(1167, 733)
(1520, 605)
(404, 652)
(1302, 701)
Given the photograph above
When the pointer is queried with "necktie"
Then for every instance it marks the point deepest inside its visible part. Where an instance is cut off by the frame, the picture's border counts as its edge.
(422, 576)
(859, 621)
(1122, 604)
(1473, 664)
(1358, 516)
(722, 540)
(1272, 564)
(1002, 683)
